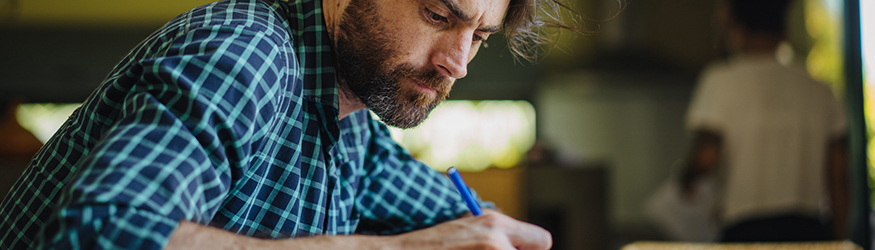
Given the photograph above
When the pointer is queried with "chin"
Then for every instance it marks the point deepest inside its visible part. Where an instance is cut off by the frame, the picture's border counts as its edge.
(406, 116)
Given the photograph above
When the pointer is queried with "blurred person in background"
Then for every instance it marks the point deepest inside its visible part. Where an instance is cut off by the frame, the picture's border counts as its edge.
(776, 138)
(17, 145)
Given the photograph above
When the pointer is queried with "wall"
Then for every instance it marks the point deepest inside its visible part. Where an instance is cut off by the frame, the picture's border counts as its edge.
(630, 122)
(61, 64)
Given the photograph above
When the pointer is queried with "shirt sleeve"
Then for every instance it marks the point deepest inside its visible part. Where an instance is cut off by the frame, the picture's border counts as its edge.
(400, 194)
(705, 107)
(180, 134)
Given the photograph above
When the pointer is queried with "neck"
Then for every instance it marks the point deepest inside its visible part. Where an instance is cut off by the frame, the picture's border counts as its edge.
(757, 43)
(333, 11)
(760, 47)
(348, 101)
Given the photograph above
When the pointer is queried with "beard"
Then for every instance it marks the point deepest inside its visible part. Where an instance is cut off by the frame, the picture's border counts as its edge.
(365, 67)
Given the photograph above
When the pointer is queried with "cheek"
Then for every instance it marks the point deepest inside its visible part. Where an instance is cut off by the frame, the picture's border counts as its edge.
(415, 44)
(413, 38)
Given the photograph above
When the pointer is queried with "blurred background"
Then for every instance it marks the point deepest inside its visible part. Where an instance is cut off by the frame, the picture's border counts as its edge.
(576, 142)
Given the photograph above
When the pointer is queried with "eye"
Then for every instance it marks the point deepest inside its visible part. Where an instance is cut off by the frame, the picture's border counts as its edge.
(479, 39)
(435, 16)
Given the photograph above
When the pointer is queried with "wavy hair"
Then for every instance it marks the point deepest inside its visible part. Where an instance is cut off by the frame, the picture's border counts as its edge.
(526, 19)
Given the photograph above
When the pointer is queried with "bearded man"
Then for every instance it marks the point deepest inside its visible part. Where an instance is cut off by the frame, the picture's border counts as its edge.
(245, 124)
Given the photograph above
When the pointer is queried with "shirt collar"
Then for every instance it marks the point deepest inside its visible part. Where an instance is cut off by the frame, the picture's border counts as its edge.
(315, 56)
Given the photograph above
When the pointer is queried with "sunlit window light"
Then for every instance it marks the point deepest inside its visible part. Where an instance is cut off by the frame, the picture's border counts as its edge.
(43, 119)
(824, 24)
(867, 25)
(472, 135)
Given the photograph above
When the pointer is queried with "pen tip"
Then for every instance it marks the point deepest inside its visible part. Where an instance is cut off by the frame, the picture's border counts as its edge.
(451, 170)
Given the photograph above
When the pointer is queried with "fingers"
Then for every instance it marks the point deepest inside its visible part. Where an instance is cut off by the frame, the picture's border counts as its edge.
(492, 230)
(521, 235)
(531, 237)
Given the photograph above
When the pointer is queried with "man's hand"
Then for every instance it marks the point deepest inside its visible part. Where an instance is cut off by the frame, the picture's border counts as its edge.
(492, 230)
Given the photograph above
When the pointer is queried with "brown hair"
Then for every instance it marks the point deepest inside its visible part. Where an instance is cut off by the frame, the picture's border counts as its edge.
(760, 16)
(526, 19)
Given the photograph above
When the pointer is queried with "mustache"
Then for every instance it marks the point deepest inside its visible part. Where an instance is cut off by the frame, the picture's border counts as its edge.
(427, 75)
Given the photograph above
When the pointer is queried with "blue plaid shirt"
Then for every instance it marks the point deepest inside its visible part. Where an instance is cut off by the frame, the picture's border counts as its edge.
(226, 116)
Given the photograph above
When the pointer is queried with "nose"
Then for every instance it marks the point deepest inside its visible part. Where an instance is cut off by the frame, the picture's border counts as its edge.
(451, 55)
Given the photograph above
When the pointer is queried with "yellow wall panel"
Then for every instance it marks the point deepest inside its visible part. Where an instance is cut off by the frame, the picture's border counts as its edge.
(100, 13)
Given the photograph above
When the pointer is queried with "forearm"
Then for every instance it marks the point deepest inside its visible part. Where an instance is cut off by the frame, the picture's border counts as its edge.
(707, 147)
(190, 235)
(492, 230)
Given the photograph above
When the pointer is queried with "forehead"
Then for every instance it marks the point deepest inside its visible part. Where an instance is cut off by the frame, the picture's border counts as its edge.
(486, 12)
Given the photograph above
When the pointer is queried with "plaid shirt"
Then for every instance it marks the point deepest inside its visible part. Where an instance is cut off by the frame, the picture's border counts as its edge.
(226, 116)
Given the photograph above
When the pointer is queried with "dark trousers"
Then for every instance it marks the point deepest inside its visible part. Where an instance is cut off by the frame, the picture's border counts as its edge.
(775, 229)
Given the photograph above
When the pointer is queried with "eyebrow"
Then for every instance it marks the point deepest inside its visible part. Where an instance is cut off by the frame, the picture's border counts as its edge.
(466, 18)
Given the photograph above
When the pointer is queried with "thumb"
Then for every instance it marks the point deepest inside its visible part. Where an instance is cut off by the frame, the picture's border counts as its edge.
(530, 237)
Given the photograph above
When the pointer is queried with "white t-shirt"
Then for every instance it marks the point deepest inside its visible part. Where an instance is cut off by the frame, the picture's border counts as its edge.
(776, 124)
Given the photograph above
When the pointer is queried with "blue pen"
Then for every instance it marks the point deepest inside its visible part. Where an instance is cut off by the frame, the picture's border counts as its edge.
(463, 189)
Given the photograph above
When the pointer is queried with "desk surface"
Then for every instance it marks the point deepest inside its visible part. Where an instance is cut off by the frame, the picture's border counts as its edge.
(827, 245)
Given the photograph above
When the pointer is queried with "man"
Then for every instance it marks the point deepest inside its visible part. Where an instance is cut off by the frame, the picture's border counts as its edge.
(233, 127)
(780, 134)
